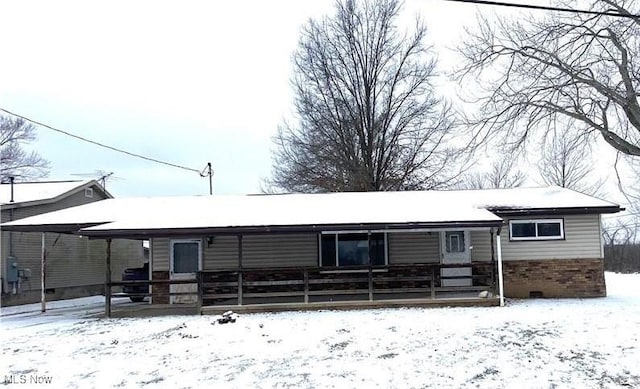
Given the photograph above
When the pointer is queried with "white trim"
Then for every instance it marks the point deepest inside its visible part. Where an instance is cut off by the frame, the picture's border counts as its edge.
(601, 238)
(88, 192)
(500, 279)
(172, 242)
(536, 222)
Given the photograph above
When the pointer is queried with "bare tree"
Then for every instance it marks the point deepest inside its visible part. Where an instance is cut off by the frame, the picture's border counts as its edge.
(14, 160)
(367, 116)
(567, 162)
(503, 173)
(576, 67)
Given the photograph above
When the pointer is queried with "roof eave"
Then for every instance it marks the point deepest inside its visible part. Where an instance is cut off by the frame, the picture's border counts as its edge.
(280, 229)
(72, 228)
(59, 197)
(503, 211)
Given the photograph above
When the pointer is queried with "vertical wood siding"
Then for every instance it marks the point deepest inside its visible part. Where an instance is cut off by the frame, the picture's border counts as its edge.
(414, 247)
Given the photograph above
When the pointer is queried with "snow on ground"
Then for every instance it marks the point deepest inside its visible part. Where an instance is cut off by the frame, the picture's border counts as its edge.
(567, 343)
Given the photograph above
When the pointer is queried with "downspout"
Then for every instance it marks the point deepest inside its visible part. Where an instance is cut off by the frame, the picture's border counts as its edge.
(500, 279)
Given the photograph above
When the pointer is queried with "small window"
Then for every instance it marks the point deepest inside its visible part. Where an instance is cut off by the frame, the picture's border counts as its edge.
(542, 229)
(88, 192)
(454, 241)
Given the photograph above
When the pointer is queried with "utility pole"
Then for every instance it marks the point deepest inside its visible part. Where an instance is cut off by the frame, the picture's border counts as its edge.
(208, 171)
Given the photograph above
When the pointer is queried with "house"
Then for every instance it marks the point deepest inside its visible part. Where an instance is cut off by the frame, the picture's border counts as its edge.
(74, 265)
(321, 249)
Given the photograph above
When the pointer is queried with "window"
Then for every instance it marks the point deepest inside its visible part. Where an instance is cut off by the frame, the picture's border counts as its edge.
(185, 256)
(454, 241)
(88, 192)
(541, 229)
(352, 249)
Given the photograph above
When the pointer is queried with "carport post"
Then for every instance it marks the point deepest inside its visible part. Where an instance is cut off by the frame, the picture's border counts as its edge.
(43, 298)
(107, 281)
(500, 280)
(240, 292)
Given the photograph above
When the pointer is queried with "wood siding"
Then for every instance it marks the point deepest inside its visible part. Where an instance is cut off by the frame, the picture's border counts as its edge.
(413, 247)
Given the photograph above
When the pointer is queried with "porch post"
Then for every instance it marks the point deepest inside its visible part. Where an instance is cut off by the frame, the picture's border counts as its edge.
(370, 268)
(107, 281)
(239, 269)
(500, 280)
(43, 298)
(493, 260)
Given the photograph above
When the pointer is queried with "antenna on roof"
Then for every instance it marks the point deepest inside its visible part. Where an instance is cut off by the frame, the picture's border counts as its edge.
(101, 176)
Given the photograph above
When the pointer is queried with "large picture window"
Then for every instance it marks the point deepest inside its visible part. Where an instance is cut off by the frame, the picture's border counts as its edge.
(539, 229)
(352, 249)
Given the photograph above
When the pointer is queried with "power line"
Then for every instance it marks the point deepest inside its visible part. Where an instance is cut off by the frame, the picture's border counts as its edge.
(548, 8)
(100, 144)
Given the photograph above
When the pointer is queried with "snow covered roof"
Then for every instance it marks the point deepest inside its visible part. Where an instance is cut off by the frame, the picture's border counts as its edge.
(44, 191)
(542, 198)
(290, 212)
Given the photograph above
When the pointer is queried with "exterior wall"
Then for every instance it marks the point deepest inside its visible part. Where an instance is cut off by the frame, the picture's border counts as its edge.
(582, 240)
(555, 278)
(572, 267)
(413, 247)
(74, 263)
(258, 251)
(159, 248)
(481, 245)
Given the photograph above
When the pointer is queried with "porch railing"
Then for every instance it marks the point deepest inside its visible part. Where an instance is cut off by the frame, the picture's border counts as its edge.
(304, 284)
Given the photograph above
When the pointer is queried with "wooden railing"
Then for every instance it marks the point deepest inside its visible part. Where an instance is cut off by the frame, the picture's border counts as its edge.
(238, 286)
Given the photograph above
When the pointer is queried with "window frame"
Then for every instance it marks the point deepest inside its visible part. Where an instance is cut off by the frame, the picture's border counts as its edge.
(336, 234)
(512, 238)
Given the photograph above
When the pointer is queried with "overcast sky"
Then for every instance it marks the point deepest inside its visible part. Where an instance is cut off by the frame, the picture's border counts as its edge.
(186, 82)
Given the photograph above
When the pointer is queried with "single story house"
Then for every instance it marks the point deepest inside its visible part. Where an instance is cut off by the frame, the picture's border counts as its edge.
(74, 265)
(522, 242)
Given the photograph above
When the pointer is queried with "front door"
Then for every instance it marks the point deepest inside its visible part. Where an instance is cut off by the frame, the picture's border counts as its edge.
(455, 249)
(185, 262)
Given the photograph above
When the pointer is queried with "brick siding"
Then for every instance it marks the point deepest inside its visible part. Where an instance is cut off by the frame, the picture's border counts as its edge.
(554, 278)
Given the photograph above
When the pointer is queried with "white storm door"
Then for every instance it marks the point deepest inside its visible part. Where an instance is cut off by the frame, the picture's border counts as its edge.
(185, 261)
(455, 250)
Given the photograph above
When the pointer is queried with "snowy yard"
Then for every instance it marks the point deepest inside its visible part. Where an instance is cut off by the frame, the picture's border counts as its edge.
(528, 344)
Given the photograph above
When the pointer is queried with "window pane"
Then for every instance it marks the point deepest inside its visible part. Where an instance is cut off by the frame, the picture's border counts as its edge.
(353, 250)
(328, 250)
(454, 241)
(185, 257)
(549, 229)
(523, 230)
